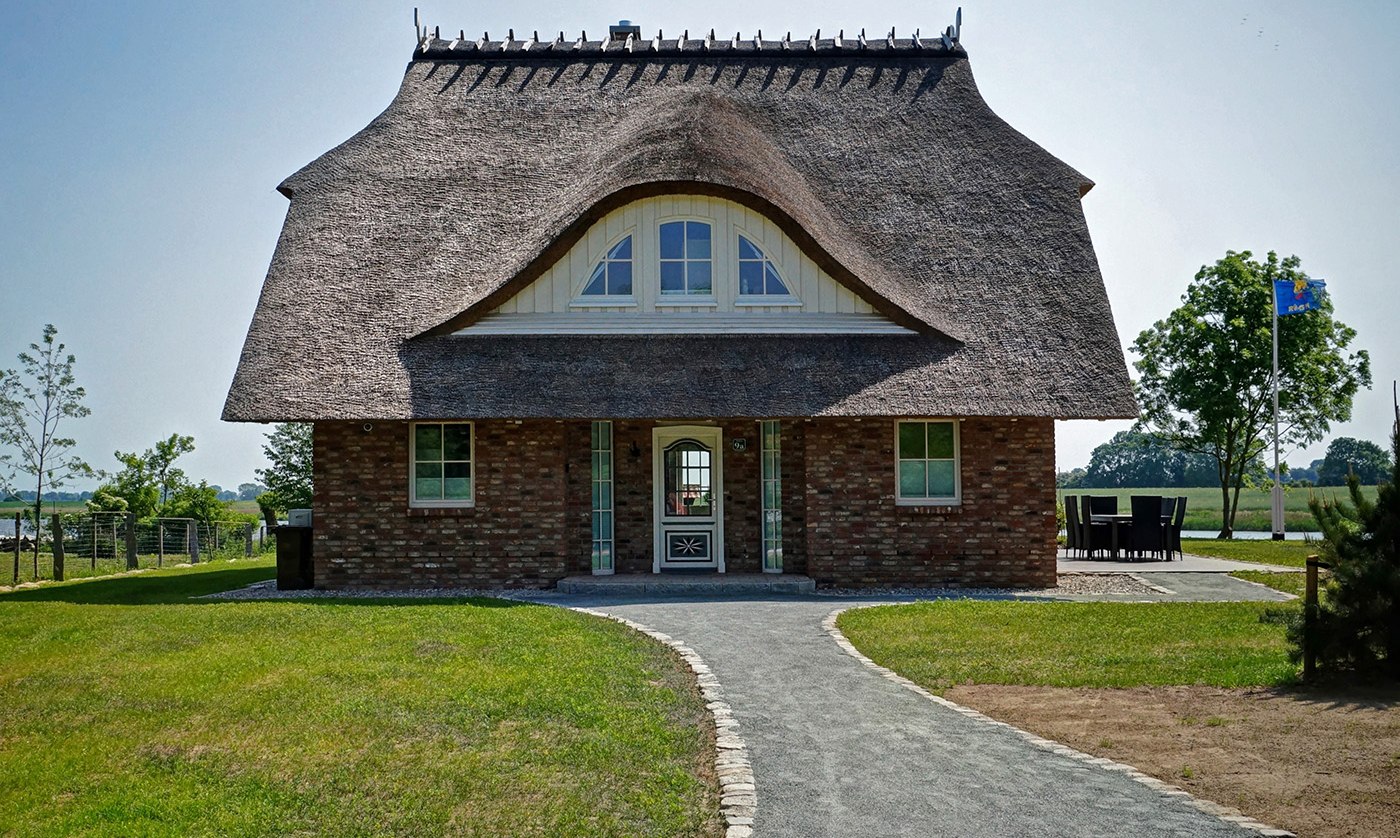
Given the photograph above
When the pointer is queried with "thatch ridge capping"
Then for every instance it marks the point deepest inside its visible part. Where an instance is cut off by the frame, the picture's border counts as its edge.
(781, 49)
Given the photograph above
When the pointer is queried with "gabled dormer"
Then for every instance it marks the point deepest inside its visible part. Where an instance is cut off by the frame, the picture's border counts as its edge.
(685, 264)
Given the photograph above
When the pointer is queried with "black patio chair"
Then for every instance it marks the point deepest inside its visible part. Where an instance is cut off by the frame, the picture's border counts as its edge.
(1174, 529)
(1074, 533)
(1106, 505)
(1146, 534)
(1168, 507)
(1098, 535)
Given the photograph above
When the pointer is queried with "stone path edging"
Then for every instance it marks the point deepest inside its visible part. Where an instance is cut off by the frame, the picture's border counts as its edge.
(738, 795)
(1224, 813)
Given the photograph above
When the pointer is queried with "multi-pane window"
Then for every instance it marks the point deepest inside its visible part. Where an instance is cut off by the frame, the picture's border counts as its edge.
(758, 276)
(612, 276)
(928, 461)
(685, 258)
(772, 479)
(602, 497)
(442, 463)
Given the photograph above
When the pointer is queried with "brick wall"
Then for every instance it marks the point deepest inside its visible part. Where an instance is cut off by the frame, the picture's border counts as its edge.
(530, 525)
(1003, 533)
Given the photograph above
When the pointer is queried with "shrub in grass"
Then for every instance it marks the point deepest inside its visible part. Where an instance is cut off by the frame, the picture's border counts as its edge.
(1357, 629)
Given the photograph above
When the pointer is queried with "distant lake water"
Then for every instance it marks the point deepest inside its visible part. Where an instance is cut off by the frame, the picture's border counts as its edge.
(1252, 535)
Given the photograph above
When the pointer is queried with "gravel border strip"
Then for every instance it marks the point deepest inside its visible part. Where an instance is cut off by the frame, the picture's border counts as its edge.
(738, 795)
(1224, 813)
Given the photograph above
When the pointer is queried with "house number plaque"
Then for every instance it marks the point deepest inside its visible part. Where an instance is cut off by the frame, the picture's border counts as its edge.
(739, 444)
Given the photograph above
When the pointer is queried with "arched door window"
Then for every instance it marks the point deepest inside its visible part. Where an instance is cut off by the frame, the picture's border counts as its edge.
(688, 479)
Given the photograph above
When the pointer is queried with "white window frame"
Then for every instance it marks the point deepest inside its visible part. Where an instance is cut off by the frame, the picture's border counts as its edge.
(581, 300)
(956, 499)
(436, 503)
(672, 299)
(742, 300)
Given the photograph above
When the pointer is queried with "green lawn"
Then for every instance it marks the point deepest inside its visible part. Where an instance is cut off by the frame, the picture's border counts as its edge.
(1282, 553)
(1074, 644)
(130, 709)
(1203, 505)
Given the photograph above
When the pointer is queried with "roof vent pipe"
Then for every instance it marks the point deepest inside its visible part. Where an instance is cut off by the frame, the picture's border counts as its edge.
(622, 30)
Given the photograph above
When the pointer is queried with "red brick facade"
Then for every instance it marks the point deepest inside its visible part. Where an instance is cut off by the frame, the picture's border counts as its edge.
(530, 524)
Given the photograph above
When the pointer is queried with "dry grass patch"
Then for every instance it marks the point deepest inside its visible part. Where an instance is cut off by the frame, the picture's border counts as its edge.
(1318, 763)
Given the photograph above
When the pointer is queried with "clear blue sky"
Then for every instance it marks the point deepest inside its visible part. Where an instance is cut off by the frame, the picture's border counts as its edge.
(140, 144)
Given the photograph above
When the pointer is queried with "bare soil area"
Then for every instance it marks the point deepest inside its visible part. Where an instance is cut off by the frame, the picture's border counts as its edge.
(1317, 762)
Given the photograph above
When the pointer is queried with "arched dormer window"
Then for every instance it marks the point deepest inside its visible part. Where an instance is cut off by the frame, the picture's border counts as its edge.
(686, 260)
(758, 276)
(612, 276)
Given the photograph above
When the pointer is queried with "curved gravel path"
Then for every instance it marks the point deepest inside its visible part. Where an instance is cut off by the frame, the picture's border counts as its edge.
(839, 750)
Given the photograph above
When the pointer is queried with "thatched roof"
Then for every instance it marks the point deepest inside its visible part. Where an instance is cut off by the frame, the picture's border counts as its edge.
(883, 162)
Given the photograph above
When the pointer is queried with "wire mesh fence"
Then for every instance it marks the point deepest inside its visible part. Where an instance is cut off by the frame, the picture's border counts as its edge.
(100, 543)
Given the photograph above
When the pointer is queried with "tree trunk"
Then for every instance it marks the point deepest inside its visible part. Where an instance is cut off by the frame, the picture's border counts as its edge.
(1227, 529)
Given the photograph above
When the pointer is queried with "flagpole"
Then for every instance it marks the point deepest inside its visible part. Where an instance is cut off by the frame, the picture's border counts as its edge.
(1277, 497)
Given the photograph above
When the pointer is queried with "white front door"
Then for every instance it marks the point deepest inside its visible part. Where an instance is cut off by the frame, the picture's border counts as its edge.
(687, 481)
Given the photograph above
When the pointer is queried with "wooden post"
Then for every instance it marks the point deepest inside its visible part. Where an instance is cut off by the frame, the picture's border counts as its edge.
(130, 541)
(57, 547)
(17, 519)
(160, 544)
(92, 520)
(217, 543)
(192, 535)
(247, 541)
(1310, 620)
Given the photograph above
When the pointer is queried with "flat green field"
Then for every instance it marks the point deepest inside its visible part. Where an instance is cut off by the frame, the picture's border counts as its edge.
(1203, 505)
(133, 709)
(1074, 644)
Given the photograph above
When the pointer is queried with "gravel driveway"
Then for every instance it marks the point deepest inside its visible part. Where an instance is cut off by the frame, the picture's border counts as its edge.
(839, 750)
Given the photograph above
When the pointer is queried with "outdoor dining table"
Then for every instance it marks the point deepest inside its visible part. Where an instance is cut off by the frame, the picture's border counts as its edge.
(1117, 519)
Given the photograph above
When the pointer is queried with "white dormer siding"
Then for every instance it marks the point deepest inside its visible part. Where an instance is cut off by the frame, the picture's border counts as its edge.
(556, 303)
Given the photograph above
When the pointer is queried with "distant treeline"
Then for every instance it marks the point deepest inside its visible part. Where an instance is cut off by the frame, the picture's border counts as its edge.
(1135, 460)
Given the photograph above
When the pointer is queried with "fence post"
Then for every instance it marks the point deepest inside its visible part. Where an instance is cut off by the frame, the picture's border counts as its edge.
(92, 520)
(57, 547)
(131, 541)
(160, 544)
(17, 518)
(247, 541)
(1310, 620)
(192, 535)
(217, 545)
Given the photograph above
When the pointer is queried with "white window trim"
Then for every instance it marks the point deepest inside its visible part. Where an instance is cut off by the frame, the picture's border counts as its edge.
(956, 499)
(434, 503)
(775, 301)
(580, 300)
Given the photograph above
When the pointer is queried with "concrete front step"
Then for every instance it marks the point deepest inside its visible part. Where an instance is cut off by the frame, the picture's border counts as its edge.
(666, 584)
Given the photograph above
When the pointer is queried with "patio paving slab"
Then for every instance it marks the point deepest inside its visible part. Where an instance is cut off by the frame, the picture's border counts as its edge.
(1187, 564)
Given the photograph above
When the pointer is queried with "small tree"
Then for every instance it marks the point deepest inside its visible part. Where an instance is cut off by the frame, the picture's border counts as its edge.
(1358, 621)
(1206, 371)
(288, 475)
(33, 404)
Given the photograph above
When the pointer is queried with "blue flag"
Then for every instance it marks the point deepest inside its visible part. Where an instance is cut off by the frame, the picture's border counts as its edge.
(1297, 296)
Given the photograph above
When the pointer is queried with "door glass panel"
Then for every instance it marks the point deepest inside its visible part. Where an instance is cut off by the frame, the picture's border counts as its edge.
(688, 479)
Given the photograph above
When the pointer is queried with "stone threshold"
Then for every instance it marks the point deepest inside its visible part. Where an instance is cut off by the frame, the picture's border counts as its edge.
(663, 584)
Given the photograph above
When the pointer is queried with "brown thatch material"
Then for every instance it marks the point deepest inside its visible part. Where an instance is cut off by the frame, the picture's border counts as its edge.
(884, 164)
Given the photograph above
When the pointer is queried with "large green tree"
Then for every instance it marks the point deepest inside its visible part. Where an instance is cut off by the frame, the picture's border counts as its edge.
(288, 475)
(34, 403)
(1348, 456)
(1205, 371)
